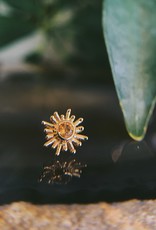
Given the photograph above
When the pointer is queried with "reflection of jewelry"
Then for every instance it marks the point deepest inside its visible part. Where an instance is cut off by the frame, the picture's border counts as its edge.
(62, 172)
(63, 132)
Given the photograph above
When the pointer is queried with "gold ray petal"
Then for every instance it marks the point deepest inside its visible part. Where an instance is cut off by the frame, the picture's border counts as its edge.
(48, 124)
(62, 117)
(77, 142)
(50, 142)
(48, 130)
(49, 136)
(81, 137)
(55, 144)
(79, 129)
(68, 114)
(56, 115)
(58, 149)
(78, 121)
(53, 119)
(64, 146)
(72, 118)
(71, 147)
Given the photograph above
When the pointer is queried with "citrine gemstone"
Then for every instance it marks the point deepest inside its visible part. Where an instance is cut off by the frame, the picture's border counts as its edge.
(65, 130)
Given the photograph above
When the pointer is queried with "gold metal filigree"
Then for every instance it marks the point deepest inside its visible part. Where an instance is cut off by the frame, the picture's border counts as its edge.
(63, 132)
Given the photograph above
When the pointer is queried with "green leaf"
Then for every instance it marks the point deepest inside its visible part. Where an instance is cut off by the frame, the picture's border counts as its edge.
(130, 34)
(12, 29)
(30, 6)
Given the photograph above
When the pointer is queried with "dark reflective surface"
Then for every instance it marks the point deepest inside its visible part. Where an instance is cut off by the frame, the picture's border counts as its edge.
(117, 167)
(61, 171)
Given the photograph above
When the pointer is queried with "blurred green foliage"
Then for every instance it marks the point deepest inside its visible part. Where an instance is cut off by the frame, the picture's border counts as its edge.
(73, 28)
(17, 20)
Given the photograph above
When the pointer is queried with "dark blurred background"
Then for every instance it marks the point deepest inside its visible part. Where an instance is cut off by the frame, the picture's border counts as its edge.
(62, 38)
(53, 57)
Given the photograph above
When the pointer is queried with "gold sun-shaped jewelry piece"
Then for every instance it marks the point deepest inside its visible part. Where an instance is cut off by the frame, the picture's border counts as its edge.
(63, 132)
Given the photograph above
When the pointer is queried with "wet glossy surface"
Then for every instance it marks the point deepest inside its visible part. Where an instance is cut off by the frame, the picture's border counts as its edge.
(117, 167)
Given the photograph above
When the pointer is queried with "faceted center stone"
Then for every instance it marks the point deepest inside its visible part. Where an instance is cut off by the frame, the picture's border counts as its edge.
(65, 130)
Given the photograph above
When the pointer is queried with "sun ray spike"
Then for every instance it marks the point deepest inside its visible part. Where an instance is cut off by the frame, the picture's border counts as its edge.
(48, 130)
(56, 115)
(68, 114)
(81, 137)
(71, 147)
(77, 142)
(79, 129)
(49, 142)
(72, 118)
(58, 150)
(49, 136)
(53, 119)
(64, 146)
(62, 117)
(78, 121)
(55, 144)
(48, 124)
